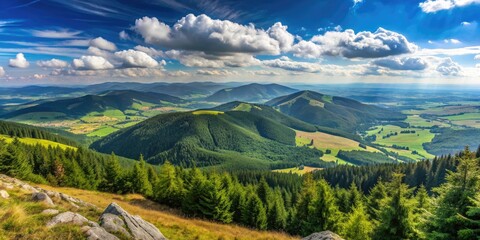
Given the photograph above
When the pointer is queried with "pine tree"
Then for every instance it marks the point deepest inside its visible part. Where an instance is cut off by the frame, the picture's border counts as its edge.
(354, 197)
(214, 202)
(113, 175)
(140, 181)
(471, 218)
(255, 214)
(376, 199)
(305, 210)
(326, 211)
(396, 216)
(277, 214)
(169, 188)
(455, 198)
(194, 190)
(358, 226)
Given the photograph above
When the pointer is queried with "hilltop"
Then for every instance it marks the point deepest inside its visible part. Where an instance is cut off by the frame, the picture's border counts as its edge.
(250, 93)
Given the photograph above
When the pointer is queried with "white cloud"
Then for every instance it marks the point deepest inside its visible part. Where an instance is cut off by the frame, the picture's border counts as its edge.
(135, 59)
(201, 59)
(91, 63)
(63, 33)
(452, 41)
(103, 44)
(287, 64)
(477, 65)
(381, 43)
(466, 23)
(449, 68)
(264, 73)
(99, 52)
(124, 35)
(216, 72)
(179, 74)
(53, 63)
(448, 51)
(2, 72)
(432, 6)
(150, 51)
(279, 32)
(201, 33)
(19, 61)
(405, 63)
(477, 57)
(39, 76)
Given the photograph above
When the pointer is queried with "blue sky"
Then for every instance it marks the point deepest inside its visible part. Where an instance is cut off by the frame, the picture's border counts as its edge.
(83, 41)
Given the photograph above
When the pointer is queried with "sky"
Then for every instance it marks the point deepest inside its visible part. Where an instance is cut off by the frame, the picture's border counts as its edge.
(315, 41)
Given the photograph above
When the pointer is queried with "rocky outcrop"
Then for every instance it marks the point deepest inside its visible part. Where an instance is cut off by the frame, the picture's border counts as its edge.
(70, 218)
(325, 235)
(4, 194)
(98, 233)
(136, 226)
(42, 197)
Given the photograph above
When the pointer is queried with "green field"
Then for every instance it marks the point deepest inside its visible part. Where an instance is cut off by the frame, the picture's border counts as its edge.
(465, 116)
(35, 141)
(414, 141)
(206, 112)
(103, 131)
(297, 170)
(417, 121)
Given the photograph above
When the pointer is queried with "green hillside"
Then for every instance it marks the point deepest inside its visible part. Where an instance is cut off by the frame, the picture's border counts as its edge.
(250, 93)
(209, 138)
(330, 111)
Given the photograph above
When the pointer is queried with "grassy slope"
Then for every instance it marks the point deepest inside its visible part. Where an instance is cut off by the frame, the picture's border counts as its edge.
(34, 141)
(168, 221)
(306, 169)
(324, 141)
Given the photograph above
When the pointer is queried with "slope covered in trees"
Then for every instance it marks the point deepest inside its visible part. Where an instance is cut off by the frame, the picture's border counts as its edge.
(250, 93)
(331, 111)
(12, 129)
(208, 137)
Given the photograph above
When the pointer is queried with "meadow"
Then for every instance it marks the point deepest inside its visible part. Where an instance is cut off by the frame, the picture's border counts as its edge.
(35, 141)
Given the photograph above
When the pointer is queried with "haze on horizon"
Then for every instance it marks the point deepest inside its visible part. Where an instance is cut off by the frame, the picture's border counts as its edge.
(324, 42)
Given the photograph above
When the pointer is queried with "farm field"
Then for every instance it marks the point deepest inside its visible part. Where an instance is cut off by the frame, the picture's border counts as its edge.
(414, 141)
(324, 141)
(417, 121)
(297, 170)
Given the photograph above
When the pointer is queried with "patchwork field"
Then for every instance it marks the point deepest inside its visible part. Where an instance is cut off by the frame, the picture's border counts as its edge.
(325, 141)
(386, 137)
(417, 121)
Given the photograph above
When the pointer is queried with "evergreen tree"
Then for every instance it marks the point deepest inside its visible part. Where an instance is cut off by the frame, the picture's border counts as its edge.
(326, 211)
(354, 197)
(396, 217)
(194, 190)
(113, 175)
(277, 214)
(358, 226)
(140, 181)
(169, 188)
(255, 214)
(376, 199)
(304, 222)
(455, 198)
(214, 202)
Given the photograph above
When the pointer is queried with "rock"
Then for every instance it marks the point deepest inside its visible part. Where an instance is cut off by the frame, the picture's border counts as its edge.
(98, 233)
(52, 194)
(50, 212)
(139, 228)
(325, 235)
(67, 198)
(4, 194)
(113, 224)
(68, 217)
(42, 197)
(29, 188)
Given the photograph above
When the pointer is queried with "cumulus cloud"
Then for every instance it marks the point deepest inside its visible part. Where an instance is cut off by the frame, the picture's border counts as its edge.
(91, 63)
(449, 68)
(103, 44)
(201, 59)
(432, 6)
(264, 73)
(39, 76)
(135, 59)
(179, 74)
(405, 63)
(2, 72)
(216, 72)
(452, 41)
(477, 57)
(150, 51)
(287, 64)
(19, 61)
(381, 43)
(202, 33)
(53, 63)
(124, 35)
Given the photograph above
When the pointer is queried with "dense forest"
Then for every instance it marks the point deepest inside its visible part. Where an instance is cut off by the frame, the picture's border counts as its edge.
(424, 200)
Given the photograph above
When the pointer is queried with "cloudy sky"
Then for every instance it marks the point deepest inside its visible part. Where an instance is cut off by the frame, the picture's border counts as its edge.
(315, 41)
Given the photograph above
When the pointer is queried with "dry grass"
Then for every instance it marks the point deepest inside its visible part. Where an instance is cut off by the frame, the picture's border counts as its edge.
(306, 169)
(170, 223)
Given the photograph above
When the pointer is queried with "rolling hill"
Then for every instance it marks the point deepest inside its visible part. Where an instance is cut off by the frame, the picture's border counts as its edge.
(330, 111)
(113, 100)
(250, 93)
(209, 137)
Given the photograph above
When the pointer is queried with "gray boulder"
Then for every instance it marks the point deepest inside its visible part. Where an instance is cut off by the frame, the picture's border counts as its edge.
(42, 197)
(325, 235)
(113, 224)
(4, 194)
(99, 233)
(138, 228)
(70, 218)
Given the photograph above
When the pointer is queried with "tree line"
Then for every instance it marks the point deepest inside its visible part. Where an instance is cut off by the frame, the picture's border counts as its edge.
(394, 201)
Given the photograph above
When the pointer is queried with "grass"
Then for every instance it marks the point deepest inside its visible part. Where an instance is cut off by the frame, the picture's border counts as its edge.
(324, 141)
(462, 117)
(35, 141)
(206, 112)
(103, 131)
(297, 170)
(39, 117)
(417, 121)
(414, 141)
(170, 223)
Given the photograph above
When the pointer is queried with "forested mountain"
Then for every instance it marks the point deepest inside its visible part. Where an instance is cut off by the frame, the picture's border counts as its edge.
(209, 137)
(330, 111)
(111, 100)
(250, 93)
